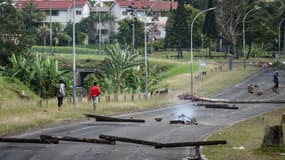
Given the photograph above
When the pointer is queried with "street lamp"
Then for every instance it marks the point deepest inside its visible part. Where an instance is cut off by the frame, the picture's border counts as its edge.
(191, 51)
(50, 26)
(132, 10)
(145, 50)
(279, 39)
(73, 53)
(243, 33)
(133, 36)
(98, 26)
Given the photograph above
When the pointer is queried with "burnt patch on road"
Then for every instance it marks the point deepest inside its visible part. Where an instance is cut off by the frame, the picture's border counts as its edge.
(184, 119)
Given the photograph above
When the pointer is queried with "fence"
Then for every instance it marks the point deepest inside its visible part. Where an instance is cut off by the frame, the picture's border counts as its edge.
(108, 98)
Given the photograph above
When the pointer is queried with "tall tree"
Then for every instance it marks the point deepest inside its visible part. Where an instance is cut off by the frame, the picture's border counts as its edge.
(209, 27)
(229, 16)
(14, 38)
(198, 4)
(170, 36)
(32, 14)
(180, 28)
(263, 31)
(125, 32)
(171, 33)
(43, 32)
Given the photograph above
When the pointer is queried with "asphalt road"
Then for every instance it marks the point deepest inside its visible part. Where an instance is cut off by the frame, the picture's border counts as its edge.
(209, 121)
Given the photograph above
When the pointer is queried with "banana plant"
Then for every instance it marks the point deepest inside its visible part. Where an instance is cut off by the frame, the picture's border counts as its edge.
(41, 74)
(119, 63)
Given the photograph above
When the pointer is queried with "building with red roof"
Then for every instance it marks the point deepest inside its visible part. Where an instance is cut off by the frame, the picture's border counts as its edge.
(145, 11)
(61, 10)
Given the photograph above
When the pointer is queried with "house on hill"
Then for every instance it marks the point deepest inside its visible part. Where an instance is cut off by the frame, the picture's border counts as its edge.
(153, 13)
(61, 10)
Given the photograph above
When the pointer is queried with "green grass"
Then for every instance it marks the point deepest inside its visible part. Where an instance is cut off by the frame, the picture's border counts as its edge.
(12, 88)
(248, 134)
(63, 50)
(19, 114)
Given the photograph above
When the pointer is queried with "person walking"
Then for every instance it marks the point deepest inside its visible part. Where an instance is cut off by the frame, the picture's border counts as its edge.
(60, 93)
(94, 95)
(276, 81)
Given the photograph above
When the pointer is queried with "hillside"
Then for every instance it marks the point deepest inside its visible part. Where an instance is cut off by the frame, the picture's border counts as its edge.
(12, 88)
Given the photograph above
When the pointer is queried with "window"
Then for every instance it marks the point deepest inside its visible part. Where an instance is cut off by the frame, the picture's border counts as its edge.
(124, 13)
(54, 13)
(78, 12)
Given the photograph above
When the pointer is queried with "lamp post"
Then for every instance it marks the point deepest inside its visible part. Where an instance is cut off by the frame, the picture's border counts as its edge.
(50, 26)
(132, 12)
(243, 34)
(279, 31)
(145, 51)
(98, 26)
(133, 36)
(100, 29)
(220, 34)
(73, 59)
(191, 44)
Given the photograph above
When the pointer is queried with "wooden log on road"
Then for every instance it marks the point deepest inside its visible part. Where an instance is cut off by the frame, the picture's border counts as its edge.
(186, 144)
(188, 122)
(176, 122)
(76, 139)
(130, 140)
(29, 140)
(111, 119)
(204, 99)
(217, 105)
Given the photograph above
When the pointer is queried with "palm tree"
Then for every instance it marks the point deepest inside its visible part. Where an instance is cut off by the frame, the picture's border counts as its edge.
(120, 62)
(105, 19)
(43, 32)
(32, 14)
(56, 32)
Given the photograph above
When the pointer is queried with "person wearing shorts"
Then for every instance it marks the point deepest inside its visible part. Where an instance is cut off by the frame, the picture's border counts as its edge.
(94, 95)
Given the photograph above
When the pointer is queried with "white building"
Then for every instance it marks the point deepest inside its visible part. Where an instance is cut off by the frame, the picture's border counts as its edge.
(61, 10)
(145, 12)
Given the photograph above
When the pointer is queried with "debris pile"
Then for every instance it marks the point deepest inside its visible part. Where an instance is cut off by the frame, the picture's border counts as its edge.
(254, 89)
(158, 119)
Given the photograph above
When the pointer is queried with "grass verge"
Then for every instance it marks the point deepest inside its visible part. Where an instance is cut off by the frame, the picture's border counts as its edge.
(248, 135)
(19, 115)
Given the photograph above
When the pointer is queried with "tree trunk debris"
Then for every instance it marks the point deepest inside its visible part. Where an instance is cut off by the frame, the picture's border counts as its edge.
(111, 119)
(217, 105)
(162, 145)
(129, 140)
(273, 136)
(204, 99)
(282, 118)
(198, 143)
(75, 139)
(29, 140)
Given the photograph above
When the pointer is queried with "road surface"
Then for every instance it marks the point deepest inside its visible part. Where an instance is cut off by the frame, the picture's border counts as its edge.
(209, 121)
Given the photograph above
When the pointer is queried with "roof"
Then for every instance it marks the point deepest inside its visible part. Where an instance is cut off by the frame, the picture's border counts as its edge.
(141, 4)
(55, 4)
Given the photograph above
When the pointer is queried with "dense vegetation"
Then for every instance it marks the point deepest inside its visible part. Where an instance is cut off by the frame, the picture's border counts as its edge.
(41, 73)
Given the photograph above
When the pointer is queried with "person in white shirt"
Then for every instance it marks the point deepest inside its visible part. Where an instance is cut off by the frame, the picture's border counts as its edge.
(60, 93)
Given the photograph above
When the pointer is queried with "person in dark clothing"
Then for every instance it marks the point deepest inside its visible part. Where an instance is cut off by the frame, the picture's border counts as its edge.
(276, 81)
(60, 93)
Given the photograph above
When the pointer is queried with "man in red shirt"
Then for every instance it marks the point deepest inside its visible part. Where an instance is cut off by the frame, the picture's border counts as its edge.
(94, 94)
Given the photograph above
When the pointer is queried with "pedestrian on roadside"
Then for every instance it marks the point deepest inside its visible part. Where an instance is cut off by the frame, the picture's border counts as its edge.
(60, 93)
(276, 81)
(94, 95)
